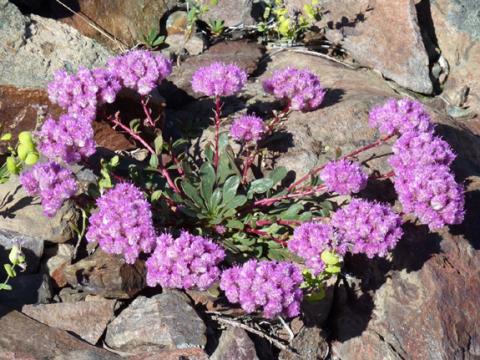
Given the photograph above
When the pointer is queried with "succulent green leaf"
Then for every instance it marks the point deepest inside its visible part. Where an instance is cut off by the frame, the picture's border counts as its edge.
(9, 269)
(230, 188)
(260, 186)
(207, 181)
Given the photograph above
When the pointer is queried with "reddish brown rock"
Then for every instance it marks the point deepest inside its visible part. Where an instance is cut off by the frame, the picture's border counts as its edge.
(87, 319)
(106, 275)
(127, 21)
(184, 354)
(383, 35)
(456, 29)
(24, 338)
(23, 109)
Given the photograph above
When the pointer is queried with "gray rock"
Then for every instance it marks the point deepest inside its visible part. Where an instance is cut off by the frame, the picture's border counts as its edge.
(310, 344)
(32, 48)
(25, 338)
(235, 344)
(27, 289)
(163, 321)
(465, 15)
(232, 12)
(22, 214)
(87, 319)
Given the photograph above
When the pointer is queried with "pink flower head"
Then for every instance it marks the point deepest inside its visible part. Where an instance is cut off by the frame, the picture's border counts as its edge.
(431, 193)
(309, 241)
(123, 223)
(219, 79)
(68, 139)
(344, 177)
(414, 149)
(248, 128)
(140, 70)
(300, 88)
(185, 262)
(108, 85)
(75, 92)
(52, 182)
(368, 227)
(270, 286)
(400, 116)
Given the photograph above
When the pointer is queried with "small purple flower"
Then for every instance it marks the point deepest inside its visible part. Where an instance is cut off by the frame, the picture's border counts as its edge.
(219, 79)
(420, 149)
(248, 128)
(400, 116)
(309, 241)
(344, 177)
(368, 227)
(140, 70)
(185, 262)
(431, 193)
(300, 88)
(123, 223)
(52, 182)
(68, 139)
(270, 286)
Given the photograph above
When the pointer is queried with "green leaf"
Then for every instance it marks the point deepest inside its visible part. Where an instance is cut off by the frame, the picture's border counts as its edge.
(192, 193)
(292, 212)
(6, 137)
(25, 137)
(260, 186)
(333, 269)
(32, 158)
(236, 202)
(12, 165)
(235, 224)
(230, 188)
(5, 287)
(207, 181)
(154, 161)
(330, 258)
(114, 161)
(158, 143)
(208, 152)
(278, 175)
(156, 195)
(215, 199)
(9, 269)
(158, 41)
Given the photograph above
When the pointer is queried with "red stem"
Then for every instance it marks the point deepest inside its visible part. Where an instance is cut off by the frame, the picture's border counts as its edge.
(148, 113)
(265, 234)
(218, 108)
(270, 201)
(352, 154)
(116, 121)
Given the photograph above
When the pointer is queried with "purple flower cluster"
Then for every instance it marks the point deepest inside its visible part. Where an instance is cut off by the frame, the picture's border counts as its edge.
(219, 79)
(248, 128)
(140, 70)
(415, 149)
(68, 139)
(309, 241)
(431, 193)
(367, 227)
(123, 223)
(270, 286)
(300, 88)
(81, 93)
(53, 183)
(185, 262)
(421, 160)
(400, 116)
(344, 177)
